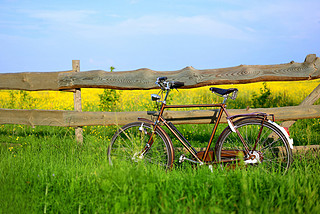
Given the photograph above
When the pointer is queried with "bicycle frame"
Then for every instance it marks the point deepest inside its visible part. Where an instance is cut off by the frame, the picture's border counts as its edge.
(186, 144)
(249, 139)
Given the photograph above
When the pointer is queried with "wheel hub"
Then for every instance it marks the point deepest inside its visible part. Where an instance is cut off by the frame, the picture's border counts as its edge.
(137, 156)
(255, 157)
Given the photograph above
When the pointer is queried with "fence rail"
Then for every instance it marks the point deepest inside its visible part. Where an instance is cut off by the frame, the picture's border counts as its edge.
(145, 78)
(76, 119)
(73, 80)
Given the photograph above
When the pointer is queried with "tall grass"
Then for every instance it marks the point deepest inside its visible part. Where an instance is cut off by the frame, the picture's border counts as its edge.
(57, 175)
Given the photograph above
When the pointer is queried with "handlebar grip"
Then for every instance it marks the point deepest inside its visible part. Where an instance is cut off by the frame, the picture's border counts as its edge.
(162, 78)
(177, 84)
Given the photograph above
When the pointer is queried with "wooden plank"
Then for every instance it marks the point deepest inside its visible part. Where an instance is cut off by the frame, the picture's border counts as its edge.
(145, 78)
(31, 81)
(32, 117)
(305, 149)
(76, 119)
(309, 100)
(312, 97)
(102, 118)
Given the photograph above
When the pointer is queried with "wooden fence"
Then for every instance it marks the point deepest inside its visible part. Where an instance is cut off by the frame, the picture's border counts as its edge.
(142, 79)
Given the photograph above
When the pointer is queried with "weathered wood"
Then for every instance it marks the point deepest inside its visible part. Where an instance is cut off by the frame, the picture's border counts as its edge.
(312, 97)
(31, 81)
(77, 101)
(145, 78)
(76, 119)
(309, 100)
(32, 117)
(306, 149)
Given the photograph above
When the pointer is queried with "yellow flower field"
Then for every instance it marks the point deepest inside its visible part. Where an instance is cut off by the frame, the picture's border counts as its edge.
(139, 100)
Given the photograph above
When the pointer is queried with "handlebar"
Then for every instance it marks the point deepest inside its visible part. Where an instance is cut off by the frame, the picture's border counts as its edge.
(176, 84)
(167, 85)
(162, 79)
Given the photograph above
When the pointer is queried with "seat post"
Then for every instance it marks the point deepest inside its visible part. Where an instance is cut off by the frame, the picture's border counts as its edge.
(225, 99)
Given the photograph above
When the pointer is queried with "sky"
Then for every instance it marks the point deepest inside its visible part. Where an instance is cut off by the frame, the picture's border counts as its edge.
(162, 35)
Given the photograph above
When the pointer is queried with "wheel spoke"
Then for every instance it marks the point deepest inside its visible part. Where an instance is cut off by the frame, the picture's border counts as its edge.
(269, 145)
(271, 148)
(130, 141)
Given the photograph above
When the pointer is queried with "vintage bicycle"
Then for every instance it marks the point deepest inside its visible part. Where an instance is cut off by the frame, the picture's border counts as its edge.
(249, 140)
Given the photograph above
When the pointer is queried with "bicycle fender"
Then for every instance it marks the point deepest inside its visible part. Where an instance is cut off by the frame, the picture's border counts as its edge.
(150, 122)
(247, 117)
(145, 120)
(284, 132)
(231, 125)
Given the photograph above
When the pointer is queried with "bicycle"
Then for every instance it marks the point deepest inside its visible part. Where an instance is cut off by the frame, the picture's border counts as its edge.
(252, 139)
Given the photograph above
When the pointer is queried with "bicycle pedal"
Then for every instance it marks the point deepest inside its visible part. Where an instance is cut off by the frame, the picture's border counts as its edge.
(211, 168)
(182, 158)
(141, 129)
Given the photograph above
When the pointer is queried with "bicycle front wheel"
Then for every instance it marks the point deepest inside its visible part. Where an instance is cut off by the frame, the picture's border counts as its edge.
(130, 143)
(268, 146)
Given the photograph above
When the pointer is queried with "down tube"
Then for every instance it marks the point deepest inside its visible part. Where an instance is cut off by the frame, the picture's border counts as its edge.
(179, 138)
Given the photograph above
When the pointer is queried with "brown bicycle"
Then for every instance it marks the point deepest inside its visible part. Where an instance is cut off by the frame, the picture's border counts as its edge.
(249, 139)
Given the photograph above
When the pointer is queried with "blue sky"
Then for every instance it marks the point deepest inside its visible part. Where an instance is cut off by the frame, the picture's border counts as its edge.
(162, 35)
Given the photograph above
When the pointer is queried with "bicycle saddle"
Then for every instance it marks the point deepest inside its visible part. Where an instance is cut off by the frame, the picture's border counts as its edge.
(222, 92)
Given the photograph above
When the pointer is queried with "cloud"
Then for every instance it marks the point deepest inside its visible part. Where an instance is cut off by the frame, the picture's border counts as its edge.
(144, 25)
(256, 21)
(173, 25)
(274, 19)
(84, 23)
(73, 16)
(134, 1)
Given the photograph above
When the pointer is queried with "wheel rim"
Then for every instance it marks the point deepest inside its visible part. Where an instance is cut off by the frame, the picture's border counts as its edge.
(271, 153)
(130, 144)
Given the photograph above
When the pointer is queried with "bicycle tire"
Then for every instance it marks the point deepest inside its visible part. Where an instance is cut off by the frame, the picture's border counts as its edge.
(131, 139)
(272, 153)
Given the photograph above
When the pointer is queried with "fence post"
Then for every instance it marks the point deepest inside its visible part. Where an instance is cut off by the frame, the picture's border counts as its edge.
(308, 101)
(77, 101)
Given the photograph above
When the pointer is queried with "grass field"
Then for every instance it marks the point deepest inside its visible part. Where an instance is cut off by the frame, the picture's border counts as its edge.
(54, 174)
(43, 169)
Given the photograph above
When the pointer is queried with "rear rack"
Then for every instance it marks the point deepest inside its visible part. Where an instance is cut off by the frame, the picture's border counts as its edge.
(257, 114)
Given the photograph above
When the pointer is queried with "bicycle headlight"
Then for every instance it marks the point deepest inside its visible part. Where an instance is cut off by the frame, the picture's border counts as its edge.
(155, 97)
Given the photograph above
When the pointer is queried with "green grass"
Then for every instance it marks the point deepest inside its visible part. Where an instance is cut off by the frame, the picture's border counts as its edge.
(43, 170)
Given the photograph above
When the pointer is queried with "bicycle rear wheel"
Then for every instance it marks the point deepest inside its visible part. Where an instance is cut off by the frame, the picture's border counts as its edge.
(130, 144)
(270, 150)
